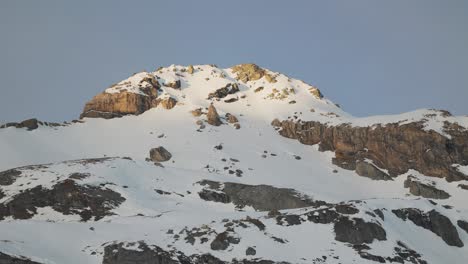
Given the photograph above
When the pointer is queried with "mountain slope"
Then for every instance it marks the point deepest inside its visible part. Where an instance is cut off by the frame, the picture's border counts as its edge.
(244, 190)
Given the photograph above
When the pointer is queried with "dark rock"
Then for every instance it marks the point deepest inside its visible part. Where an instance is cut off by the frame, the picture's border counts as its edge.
(66, 197)
(289, 220)
(250, 251)
(231, 100)
(231, 118)
(230, 88)
(346, 209)
(214, 196)
(78, 176)
(8, 259)
(357, 231)
(463, 186)
(427, 191)
(223, 240)
(463, 225)
(8, 177)
(160, 154)
(433, 221)
(118, 254)
(260, 197)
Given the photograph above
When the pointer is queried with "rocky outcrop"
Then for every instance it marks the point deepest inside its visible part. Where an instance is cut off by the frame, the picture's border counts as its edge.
(175, 84)
(394, 147)
(231, 118)
(8, 259)
(8, 177)
(260, 197)
(190, 69)
(433, 221)
(111, 105)
(463, 225)
(420, 189)
(121, 101)
(213, 116)
(356, 231)
(230, 88)
(141, 253)
(160, 154)
(66, 197)
(370, 171)
(251, 72)
(168, 103)
(223, 240)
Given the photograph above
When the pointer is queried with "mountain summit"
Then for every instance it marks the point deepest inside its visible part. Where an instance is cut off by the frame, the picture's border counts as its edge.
(197, 164)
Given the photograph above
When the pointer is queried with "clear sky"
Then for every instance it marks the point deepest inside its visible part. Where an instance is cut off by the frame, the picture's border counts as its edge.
(372, 57)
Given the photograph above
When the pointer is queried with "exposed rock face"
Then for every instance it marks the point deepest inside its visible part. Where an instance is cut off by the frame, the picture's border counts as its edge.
(190, 69)
(30, 124)
(433, 221)
(173, 84)
(427, 191)
(223, 240)
(7, 259)
(8, 177)
(368, 170)
(260, 197)
(251, 72)
(231, 118)
(213, 116)
(357, 231)
(230, 88)
(160, 154)
(394, 147)
(316, 92)
(66, 197)
(463, 225)
(111, 105)
(168, 103)
(123, 253)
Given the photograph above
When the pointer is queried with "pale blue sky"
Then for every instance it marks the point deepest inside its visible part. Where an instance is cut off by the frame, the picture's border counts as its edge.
(372, 57)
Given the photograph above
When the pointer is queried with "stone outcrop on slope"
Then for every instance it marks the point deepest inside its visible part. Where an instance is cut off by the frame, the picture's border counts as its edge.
(122, 102)
(394, 147)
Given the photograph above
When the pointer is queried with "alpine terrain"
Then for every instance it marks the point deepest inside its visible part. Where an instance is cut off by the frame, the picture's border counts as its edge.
(198, 164)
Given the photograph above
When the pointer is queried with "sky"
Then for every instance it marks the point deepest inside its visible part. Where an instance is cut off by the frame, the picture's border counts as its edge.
(371, 57)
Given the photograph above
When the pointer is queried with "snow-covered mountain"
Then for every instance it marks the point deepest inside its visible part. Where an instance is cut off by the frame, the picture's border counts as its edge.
(200, 164)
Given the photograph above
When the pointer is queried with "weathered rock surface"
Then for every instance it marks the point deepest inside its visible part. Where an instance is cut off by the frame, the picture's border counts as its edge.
(30, 124)
(427, 191)
(230, 88)
(120, 253)
(223, 240)
(213, 116)
(260, 197)
(357, 231)
(394, 147)
(463, 225)
(251, 72)
(8, 259)
(111, 105)
(370, 171)
(8, 177)
(66, 197)
(168, 103)
(176, 84)
(433, 221)
(160, 154)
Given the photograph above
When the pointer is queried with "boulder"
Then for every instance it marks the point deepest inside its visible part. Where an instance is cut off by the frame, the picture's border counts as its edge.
(160, 154)
(223, 240)
(190, 69)
(175, 84)
(370, 171)
(231, 118)
(213, 117)
(8, 259)
(420, 189)
(463, 225)
(228, 89)
(168, 103)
